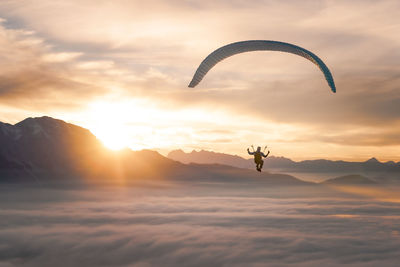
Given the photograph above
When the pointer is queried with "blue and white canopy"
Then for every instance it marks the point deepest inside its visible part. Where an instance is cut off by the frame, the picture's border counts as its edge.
(258, 45)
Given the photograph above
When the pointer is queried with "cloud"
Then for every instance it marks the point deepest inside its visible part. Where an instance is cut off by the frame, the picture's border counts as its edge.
(76, 52)
(34, 76)
(196, 227)
(389, 138)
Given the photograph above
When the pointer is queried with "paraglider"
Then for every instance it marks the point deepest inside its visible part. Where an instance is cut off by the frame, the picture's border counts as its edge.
(258, 155)
(258, 45)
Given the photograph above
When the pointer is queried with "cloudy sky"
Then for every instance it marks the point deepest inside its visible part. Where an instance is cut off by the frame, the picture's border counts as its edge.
(121, 69)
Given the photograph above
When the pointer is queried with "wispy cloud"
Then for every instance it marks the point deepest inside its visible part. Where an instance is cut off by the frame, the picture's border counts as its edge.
(68, 54)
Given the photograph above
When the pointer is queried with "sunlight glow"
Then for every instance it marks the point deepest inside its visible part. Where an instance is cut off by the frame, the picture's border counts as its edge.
(142, 124)
(109, 124)
(112, 137)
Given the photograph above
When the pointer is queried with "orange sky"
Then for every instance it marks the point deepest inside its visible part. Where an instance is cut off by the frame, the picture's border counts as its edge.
(121, 69)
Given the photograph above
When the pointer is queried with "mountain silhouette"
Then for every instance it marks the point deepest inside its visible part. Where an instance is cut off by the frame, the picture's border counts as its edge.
(283, 164)
(352, 179)
(51, 150)
(209, 157)
(44, 145)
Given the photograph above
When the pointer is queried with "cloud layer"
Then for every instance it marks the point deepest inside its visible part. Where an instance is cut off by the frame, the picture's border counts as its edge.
(194, 226)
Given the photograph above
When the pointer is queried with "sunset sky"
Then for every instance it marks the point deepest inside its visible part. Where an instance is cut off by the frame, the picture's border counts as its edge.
(121, 69)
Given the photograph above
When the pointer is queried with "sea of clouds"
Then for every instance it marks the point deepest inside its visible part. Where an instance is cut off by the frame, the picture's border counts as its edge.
(195, 226)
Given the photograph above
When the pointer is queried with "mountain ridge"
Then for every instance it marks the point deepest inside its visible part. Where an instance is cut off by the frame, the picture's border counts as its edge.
(352, 179)
(286, 164)
(48, 149)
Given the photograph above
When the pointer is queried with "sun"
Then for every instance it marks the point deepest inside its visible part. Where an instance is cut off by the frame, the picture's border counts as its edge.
(112, 137)
(109, 123)
(138, 124)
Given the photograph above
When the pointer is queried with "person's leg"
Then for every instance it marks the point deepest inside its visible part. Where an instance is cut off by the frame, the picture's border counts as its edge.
(261, 164)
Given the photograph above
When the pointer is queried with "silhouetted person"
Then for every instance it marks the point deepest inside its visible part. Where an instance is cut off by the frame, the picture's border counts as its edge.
(258, 155)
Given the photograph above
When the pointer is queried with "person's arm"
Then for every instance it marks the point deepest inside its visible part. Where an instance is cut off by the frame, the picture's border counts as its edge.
(266, 155)
(250, 153)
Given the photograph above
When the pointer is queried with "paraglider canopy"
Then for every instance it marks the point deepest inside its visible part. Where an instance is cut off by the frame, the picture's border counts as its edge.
(258, 45)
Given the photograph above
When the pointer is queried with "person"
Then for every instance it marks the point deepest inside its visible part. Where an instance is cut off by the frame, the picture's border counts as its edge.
(258, 155)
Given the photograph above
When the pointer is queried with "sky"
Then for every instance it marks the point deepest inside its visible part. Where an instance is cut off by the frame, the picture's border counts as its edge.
(121, 69)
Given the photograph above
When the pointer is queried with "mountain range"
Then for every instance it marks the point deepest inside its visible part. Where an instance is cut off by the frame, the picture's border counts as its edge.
(371, 167)
(46, 149)
(50, 150)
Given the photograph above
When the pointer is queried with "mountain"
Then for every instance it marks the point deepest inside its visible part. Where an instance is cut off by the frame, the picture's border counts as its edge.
(51, 150)
(287, 165)
(209, 157)
(44, 145)
(353, 179)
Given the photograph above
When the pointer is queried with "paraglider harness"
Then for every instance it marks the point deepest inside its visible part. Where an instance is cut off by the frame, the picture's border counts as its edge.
(257, 157)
